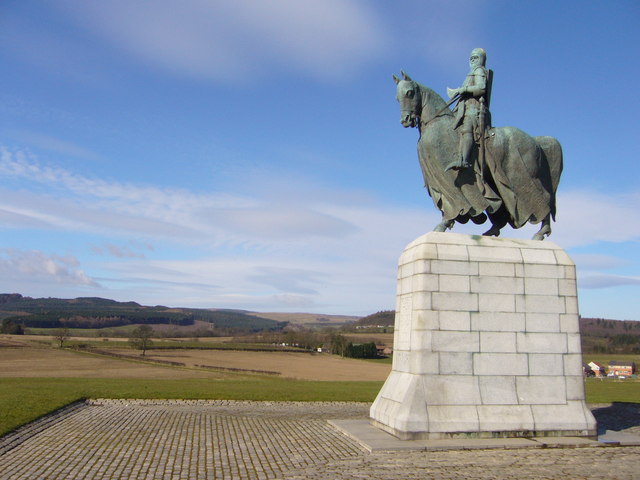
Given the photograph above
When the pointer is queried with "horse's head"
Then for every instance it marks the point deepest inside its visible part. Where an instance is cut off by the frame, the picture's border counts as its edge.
(409, 96)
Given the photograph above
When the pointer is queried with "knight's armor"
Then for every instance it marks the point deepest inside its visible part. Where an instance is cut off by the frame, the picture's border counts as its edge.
(472, 114)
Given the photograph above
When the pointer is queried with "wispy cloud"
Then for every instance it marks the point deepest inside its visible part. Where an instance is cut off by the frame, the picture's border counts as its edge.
(227, 40)
(29, 266)
(605, 281)
(53, 144)
(587, 217)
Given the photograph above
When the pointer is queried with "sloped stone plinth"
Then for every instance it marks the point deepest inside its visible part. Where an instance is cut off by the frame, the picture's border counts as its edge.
(486, 342)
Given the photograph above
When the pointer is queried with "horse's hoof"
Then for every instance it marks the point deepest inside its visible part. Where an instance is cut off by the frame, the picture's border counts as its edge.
(479, 219)
(541, 234)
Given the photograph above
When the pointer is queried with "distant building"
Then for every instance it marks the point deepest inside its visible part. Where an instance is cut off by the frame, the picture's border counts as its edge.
(384, 351)
(621, 368)
(598, 369)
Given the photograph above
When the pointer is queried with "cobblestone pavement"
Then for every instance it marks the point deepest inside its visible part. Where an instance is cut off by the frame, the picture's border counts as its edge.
(108, 439)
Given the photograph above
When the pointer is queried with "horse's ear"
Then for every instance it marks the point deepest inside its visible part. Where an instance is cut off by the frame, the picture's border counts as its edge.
(396, 79)
(405, 76)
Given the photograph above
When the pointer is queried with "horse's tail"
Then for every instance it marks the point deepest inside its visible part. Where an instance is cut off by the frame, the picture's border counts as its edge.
(553, 153)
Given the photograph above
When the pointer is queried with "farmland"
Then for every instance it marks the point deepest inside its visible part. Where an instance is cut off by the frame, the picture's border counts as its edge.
(36, 378)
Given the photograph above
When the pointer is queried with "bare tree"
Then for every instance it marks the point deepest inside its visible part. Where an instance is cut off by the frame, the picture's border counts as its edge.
(61, 335)
(141, 338)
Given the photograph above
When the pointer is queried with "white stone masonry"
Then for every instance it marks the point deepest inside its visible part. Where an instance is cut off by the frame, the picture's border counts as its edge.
(486, 342)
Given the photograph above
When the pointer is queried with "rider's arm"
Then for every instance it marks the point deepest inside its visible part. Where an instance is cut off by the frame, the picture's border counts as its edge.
(479, 86)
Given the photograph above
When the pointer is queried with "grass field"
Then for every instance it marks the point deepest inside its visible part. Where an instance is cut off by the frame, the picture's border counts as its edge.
(25, 399)
(36, 379)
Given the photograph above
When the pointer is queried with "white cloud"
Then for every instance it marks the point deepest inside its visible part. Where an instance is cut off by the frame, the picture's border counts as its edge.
(588, 217)
(605, 281)
(227, 40)
(598, 261)
(27, 266)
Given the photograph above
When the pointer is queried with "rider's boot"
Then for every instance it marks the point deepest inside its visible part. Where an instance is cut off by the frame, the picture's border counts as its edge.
(466, 148)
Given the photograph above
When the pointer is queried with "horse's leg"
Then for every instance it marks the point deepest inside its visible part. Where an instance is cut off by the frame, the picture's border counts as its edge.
(545, 229)
(498, 220)
(444, 225)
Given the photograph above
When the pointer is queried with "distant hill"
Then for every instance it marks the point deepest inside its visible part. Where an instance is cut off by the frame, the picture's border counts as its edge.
(309, 319)
(92, 312)
(601, 335)
(384, 318)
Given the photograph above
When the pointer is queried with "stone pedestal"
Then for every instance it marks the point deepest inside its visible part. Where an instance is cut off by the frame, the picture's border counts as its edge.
(486, 342)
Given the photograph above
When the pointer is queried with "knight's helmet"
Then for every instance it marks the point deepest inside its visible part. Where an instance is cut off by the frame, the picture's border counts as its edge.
(481, 53)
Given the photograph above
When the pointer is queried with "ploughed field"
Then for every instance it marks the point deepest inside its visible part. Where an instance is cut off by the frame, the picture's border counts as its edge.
(22, 357)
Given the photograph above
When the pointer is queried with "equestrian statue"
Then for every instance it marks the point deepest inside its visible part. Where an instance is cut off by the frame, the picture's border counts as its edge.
(471, 169)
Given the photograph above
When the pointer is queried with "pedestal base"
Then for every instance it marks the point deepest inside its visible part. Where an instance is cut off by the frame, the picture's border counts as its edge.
(486, 342)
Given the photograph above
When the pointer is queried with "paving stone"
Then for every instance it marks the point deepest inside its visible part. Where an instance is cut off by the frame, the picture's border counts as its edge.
(200, 439)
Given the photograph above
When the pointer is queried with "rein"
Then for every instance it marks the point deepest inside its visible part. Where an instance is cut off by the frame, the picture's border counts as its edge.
(455, 97)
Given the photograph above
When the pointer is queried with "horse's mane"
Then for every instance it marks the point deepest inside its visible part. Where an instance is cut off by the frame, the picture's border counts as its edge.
(434, 99)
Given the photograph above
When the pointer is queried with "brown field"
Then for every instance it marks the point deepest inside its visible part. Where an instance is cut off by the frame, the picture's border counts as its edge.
(305, 366)
(20, 357)
(306, 318)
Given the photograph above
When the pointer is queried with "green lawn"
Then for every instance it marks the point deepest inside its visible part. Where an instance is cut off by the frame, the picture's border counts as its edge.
(611, 390)
(25, 399)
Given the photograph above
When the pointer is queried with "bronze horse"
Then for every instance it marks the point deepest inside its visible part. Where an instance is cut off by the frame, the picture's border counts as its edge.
(514, 178)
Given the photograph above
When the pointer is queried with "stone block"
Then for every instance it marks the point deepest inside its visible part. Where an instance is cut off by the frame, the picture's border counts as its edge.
(571, 305)
(451, 390)
(452, 252)
(462, 302)
(575, 387)
(452, 341)
(570, 323)
(502, 418)
(453, 418)
(543, 271)
(573, 343)
(562, 258)
(446, 267)
(420, 340)
(454, 283)
(541, 286)
(567, 287)
(498, 390)
(570, 272)
(494, 254)
(536, 255)
(542, 342)
(574, 415)
(425, 251)
(546, 364)
(424, 363)
(425, 320)
(493, 364)
(455, 320)
(495, 302)
(498, 321)
(573, 364)
(541, 390)
(455, 363)
(424, 282)
(498, 342)
(542, 322)
(496, 284)
(406, 270)
(542, 304)
(401, 361)
(496, 269)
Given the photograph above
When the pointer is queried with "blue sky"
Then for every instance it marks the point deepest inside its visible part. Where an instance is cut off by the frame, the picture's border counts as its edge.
(249, 154)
